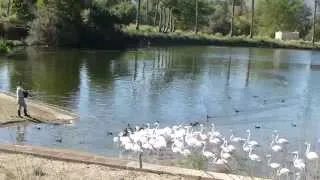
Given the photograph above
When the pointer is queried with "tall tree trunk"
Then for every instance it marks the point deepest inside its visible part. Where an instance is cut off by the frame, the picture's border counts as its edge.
(8, 8)
(171, 21)
(166, 18)
(160, 19)
(196, 25)
(156, 13)
(138, 15)
(147, 10)
(252, 18)
(173, 25)
(314, 21)
(232, 18)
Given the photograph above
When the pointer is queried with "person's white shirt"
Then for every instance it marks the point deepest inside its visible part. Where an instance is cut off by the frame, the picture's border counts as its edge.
(19, 92)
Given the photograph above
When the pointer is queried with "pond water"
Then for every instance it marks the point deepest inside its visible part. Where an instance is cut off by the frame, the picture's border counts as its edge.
(240, 88)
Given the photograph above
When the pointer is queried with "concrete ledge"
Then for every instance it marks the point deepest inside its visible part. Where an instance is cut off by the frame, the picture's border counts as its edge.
(77, 157)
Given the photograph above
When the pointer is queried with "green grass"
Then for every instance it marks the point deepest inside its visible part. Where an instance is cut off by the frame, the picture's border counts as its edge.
(5, 46)
(151, 34)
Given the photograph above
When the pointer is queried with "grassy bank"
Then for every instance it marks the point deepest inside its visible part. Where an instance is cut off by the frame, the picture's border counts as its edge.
(5, 46)
(149, 36)
(8, 47)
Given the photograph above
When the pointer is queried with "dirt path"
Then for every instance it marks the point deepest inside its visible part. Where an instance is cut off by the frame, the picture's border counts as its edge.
(31, 162)
(39, 112)
(25, 167)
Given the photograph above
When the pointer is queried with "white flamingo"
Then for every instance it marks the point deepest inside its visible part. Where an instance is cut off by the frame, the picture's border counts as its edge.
(251, 142)
(254, 157)
(310, 155)
(246, 147)
(186, 152)
(280, 140)
(298, 163)
(283, 172)
(275, 147)
(235, 139)
(207, 154)
(227, 148)
(273, 165)
(214, 140)
(202, 136)
(175, 149)
(213, 132)
(225, 155)
(220, 161)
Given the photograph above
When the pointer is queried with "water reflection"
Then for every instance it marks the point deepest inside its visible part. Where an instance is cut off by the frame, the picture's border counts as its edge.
(20, 133)
(268, 87)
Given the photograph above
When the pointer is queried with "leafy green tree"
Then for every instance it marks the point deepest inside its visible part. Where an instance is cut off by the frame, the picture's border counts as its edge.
(219, 21)
(125, 11)
(24, 9)
(185, 11)
(58, 23)
(280, 15)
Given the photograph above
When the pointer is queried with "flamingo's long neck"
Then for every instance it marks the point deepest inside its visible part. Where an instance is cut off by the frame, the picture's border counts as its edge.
(231, 137)
(273, 140)
(204, 147)
(249, 136)
(296, 157)
(224, 142)
(244, 145)
(308, 148)
(276, 138)
(201, 130)
(212, 129)
(173, 144)
(269, 161)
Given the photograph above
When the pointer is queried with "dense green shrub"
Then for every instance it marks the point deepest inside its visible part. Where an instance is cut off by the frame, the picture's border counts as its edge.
(5, 46)
(125, 11)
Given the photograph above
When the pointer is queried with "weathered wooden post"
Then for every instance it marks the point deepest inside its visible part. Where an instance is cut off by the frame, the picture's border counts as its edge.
(140, 160)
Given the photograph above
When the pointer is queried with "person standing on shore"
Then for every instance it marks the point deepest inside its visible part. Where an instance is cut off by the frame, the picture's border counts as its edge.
(21, 94)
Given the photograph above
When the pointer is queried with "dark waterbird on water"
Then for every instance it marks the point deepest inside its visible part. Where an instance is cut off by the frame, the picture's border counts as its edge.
(126, 131)
(193, 124)
(109, 133)
(59, 139)
(236, 110)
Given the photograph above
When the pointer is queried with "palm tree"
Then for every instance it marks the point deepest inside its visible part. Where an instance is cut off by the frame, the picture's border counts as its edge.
(252, 18)
(138, 15)
(314, 21)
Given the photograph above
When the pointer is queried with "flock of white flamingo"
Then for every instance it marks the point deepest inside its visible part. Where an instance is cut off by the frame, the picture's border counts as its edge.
(217, 148)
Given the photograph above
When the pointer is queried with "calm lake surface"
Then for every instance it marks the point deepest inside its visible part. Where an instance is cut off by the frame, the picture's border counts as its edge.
(271, 88)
